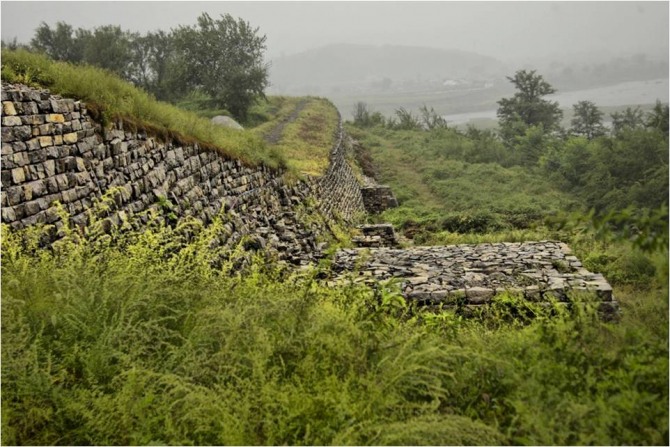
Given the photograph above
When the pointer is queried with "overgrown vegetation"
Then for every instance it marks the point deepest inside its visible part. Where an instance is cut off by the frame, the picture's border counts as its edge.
(161, 337)
(143, 339)
(445, 180)
(480, 181)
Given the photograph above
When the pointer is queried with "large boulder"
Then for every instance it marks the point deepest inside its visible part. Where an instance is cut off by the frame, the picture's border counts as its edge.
(226, 121)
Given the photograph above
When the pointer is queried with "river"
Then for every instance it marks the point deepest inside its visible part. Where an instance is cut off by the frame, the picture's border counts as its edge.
(623, 94)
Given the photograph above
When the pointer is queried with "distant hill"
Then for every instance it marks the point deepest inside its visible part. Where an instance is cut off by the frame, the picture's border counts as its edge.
(348, 68)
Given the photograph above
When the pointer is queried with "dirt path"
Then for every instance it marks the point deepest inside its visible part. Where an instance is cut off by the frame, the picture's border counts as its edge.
(274, 135)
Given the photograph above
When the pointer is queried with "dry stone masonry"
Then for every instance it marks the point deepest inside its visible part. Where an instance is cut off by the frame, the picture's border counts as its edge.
(473, 274)
(53, 151)
(338, 197)
(376, 235)
(378, 198)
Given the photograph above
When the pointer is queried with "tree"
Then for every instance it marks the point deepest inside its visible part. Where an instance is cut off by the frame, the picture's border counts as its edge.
(156, 66)
(527, 108)
(627, 120)
(225, 60)
(108, 47)
(58, 43)
(587, 120)
(14, 45)
(658, 118)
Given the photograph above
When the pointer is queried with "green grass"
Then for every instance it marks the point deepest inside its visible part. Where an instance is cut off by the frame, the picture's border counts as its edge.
(147, 339)
(442, 185)
(307, 141)
(111, 98)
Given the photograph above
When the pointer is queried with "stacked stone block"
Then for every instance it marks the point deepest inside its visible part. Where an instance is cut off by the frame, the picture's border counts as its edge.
(339, 189)
(472, 275)
(376, 235)
(45, 140)
(378, 198)
(53, 151)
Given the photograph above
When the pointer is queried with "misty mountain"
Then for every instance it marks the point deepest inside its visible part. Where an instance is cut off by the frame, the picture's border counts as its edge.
(348, 68)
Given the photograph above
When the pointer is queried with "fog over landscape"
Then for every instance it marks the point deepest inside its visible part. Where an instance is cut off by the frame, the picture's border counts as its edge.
(450, 55)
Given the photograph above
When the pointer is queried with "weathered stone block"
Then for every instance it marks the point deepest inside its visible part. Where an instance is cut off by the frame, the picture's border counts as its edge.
(22, 133)
(7, 149)
(479, 295)
(11, 121)
(8, 108)
(45, 141)
(15, 195)
(55, 118)
(34, 189)
(18, 175)
(6, 177)
(32, 207)
(71, 138)
(7, 134)
(8, 214)
(37, 156)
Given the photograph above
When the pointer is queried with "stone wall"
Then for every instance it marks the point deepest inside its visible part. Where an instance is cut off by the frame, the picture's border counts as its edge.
(339, 189)
(52, 150)
(378, 198)
(376, 235)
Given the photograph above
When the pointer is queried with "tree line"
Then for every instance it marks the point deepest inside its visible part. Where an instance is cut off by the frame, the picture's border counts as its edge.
(221, 58)
(609, 169)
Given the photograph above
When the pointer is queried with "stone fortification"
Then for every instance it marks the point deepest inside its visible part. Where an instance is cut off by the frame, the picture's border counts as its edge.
(53, 151)
(378, 198)
(338, 197)
(376, 235)
(471, 275)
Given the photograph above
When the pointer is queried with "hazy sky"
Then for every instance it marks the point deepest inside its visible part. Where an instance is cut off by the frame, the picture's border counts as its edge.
(509, 31)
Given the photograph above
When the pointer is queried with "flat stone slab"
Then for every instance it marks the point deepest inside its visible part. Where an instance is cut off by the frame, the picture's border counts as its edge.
(474, 274)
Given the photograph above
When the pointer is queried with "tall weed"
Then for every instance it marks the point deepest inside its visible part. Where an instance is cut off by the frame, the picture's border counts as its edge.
(156, 338)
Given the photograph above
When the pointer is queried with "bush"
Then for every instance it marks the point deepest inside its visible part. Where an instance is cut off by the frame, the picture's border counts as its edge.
(150, 337)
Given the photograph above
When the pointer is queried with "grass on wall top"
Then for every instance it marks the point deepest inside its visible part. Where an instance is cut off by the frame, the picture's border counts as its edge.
(115, 99)
(306, 141)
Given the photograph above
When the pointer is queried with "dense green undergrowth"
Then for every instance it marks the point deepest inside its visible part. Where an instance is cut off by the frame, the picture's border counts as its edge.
(446, 181)
(148, 338)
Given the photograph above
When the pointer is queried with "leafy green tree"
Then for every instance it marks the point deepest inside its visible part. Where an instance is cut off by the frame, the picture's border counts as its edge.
(225, 60)
(587, 120)
(527, 108)
(365, 117)
(626, 120)
(109, 47)
(60, 43)
(658, 118)
(13, 45)
(156, 66)
(529, 147)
